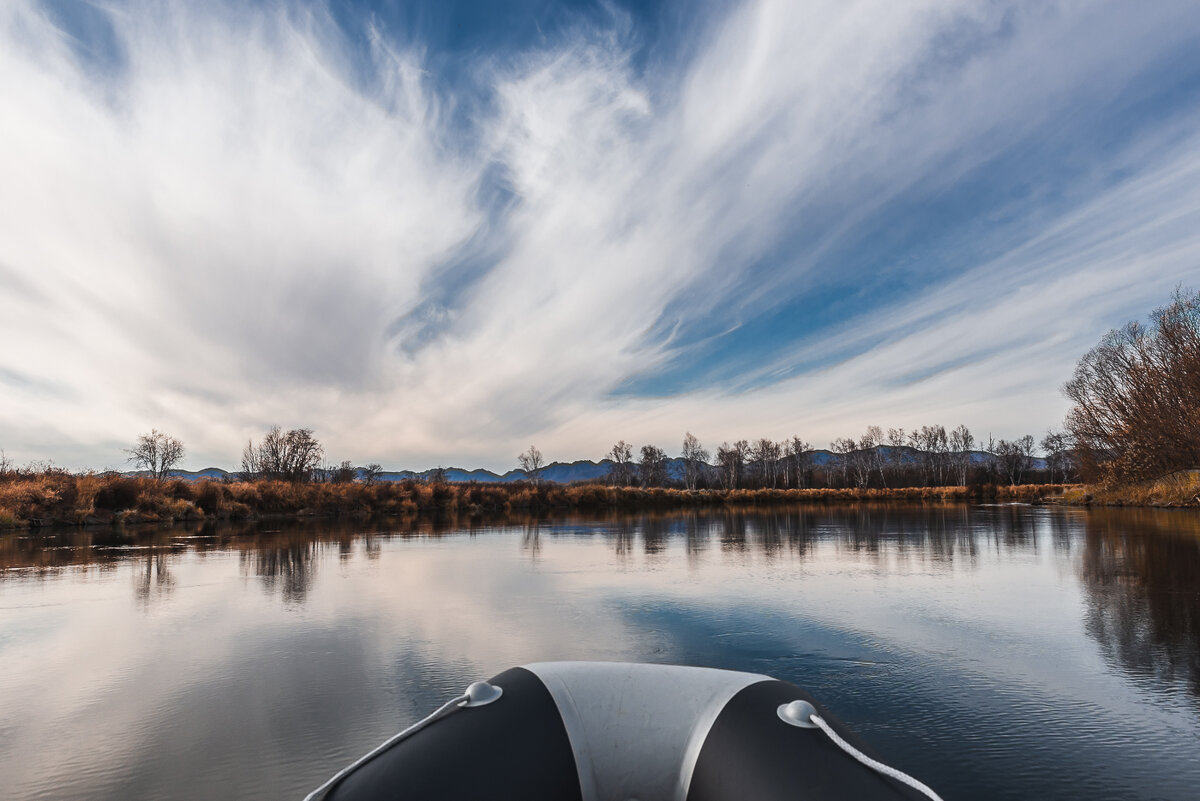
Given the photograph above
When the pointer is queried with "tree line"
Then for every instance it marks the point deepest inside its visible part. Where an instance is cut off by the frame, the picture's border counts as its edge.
(295, 456)
(929, 456)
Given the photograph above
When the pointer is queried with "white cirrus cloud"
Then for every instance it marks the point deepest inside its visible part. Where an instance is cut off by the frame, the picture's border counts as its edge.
(236, 224)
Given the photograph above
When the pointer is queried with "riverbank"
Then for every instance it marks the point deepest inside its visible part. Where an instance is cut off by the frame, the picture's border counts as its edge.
(1180, 489)
(62, 499)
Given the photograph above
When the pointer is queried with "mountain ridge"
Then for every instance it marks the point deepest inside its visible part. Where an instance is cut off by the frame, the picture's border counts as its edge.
(563, 472)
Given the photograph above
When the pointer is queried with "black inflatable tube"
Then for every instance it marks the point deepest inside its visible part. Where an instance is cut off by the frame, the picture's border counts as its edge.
(751, 754)
(518, 749)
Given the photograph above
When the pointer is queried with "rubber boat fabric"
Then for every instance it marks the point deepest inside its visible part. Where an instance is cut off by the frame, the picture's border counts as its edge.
(606, 731)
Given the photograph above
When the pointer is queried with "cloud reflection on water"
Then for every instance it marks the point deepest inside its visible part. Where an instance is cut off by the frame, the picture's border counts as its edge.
(285, 647)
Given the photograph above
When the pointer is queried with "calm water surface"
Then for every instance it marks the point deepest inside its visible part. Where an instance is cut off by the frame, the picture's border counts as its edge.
(1000, 652)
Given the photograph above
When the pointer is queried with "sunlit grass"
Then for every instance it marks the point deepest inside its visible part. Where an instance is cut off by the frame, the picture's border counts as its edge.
(1177, 489)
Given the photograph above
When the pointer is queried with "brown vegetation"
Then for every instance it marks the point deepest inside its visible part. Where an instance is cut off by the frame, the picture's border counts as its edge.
(1137, 399)
(60, 498)
(1181, 488)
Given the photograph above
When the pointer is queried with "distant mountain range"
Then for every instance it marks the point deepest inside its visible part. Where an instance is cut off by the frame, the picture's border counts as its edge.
(564, 472)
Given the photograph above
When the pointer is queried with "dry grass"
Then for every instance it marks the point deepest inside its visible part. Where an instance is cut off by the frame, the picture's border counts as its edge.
(1177, 489)
(58, 498)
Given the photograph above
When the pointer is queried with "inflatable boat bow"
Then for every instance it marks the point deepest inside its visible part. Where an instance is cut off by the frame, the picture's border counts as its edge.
(599, 731)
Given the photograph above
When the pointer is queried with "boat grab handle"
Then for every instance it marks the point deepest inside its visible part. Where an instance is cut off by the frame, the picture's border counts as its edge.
(804, 715)
(479, 693)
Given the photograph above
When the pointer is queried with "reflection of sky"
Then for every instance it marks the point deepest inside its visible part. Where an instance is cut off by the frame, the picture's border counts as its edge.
(952, 656)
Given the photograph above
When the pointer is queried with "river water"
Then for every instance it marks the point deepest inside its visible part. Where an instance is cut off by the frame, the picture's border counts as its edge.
(995, 652)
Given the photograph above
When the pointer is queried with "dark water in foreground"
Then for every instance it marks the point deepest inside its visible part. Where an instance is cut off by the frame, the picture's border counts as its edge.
(994, 652)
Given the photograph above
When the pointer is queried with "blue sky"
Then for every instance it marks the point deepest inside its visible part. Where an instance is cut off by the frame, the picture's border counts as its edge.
(438, 231)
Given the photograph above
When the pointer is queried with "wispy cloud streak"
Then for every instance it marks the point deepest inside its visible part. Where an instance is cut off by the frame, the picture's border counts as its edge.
(238, 224)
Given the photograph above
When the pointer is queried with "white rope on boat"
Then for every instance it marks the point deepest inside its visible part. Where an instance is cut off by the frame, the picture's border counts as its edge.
(445, 709)
(873, 764)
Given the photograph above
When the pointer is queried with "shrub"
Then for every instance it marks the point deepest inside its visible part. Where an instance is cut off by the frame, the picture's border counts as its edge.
(211, 498)
(117, 493)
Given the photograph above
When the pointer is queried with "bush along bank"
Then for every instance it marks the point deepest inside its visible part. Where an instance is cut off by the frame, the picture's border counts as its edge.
(1179, 489)
(59, 498)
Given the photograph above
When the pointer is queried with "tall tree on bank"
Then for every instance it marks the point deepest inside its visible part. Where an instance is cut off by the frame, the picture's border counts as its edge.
(694, 460)
(1014, 458)
(961, 442)
(293, 455)
(1058, 449)
(730, 462)
(896, 455)
(344, 473)
(872, 442)
(652, 469)
(621, 456)
(862, 459)
(156, 453)
(531, 463)
(766, 455)
(799, 460)
(843, 447)
(1137, 397)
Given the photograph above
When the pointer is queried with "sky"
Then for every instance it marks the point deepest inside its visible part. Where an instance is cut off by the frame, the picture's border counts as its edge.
(438, 232)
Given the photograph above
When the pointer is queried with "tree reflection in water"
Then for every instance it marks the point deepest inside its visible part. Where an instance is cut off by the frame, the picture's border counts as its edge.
(288, 566)
(696, 535)
(531, 539)
(1141, 570)
(153, 582)
(733, 531)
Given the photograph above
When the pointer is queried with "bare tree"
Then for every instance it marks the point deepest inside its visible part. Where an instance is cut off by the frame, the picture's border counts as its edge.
(861, 461)
(1057, 446)
(895, 460)
(869, 456)
(727, 469)
(531, 462)
(932, 448)
(653, 467)
(293, 455)
(765, 455)
(371, 473)
(621, 456)
(992, 465)
(729, 465)
(961, 442)
(156, 453)
(799, 459)
(1137, 396)
(843, 447)
(695, 458)
(1015, 457)
(743, 458)
(344, 473)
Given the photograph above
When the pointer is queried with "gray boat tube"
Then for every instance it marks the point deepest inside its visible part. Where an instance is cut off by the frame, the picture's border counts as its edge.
(611, 731)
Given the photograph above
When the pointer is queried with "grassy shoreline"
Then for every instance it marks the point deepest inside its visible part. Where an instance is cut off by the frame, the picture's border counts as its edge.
(61, 499)
(1178, 490)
